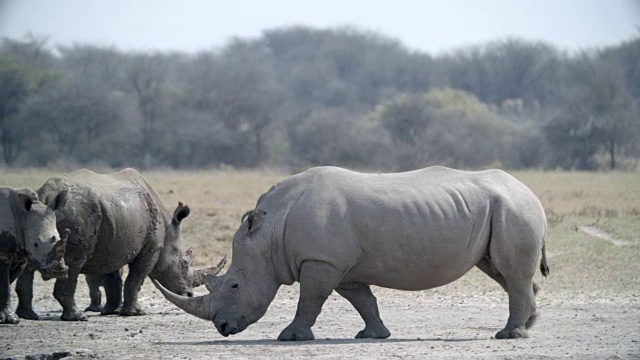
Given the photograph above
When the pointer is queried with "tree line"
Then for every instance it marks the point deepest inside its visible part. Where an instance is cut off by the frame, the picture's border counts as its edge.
(297, 96)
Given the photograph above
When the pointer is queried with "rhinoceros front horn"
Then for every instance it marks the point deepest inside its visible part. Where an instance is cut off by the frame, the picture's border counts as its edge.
(197, 306)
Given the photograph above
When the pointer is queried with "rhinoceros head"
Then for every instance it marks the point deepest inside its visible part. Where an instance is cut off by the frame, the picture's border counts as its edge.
(42, 242)
(242, 295)
(173, 269)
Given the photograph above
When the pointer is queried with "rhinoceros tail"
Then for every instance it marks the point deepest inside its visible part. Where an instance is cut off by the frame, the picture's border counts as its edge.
(544, 267)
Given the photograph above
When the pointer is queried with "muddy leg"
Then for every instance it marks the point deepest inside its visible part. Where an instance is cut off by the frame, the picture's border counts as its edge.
(6, 315)
(317, 281)
(24, 290)
(93, 282)
(361, 297)
(113, 290)
(64, 291)
(139, 269)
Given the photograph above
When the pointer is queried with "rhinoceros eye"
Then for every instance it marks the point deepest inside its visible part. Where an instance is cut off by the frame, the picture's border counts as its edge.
(235, 287)
(35, 244)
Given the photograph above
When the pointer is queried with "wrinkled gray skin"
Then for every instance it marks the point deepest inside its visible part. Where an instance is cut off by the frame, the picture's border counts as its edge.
(27, 232)
(115, 220)
(334, 229)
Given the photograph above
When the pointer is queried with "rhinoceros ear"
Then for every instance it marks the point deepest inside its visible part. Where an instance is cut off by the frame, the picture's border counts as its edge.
(60, 200)
(181, 212)
(254, 219)
(25, 201)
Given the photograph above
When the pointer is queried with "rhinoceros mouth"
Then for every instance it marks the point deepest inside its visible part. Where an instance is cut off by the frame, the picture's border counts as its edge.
(58, 271)
(226, 328)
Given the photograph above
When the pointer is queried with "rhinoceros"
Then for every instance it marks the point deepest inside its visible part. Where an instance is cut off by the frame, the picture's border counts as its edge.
(27, 232)
(112, 283)
(334, 229)
(115, 220)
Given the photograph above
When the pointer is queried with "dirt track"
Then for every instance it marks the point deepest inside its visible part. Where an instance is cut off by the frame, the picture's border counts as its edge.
(458, 320)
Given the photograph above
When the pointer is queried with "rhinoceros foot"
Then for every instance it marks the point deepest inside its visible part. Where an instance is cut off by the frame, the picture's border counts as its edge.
(517, 333)
(132, 310)
(374, 333)
(7, 317)
(26, 313)
(93, 308)
(110, 309)
(73, 314)
(292, 333)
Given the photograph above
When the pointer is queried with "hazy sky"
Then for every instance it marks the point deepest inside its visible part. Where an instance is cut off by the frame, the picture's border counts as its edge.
(432, 26)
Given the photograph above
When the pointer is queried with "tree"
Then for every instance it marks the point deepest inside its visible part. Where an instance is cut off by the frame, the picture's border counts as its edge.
(23, 70)
(148, 75)
(613, 111)
(337, 137)
(447, 127)
(247, 95)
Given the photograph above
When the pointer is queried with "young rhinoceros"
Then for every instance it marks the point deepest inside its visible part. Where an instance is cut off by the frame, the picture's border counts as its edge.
(27, 232)
(115, 220)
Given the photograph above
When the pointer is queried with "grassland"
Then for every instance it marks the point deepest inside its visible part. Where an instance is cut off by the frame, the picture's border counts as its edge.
(593, 240)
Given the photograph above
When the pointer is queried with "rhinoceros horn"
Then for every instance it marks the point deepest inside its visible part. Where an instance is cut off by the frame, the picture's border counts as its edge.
(200, 276)
(198, 306)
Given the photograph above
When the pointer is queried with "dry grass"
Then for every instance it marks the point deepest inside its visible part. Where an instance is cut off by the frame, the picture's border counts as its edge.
(580, 263)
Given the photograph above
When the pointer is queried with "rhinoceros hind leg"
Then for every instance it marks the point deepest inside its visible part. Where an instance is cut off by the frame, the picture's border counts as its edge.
(113, 290)
(139, 269)
(522, 309)
(317, 281)
(487, 267)
(93, 282)
(361, 297)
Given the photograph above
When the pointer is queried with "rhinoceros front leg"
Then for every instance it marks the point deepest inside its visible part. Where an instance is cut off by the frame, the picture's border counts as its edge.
(317, 281)
(361, 297)
(6, 316)
(139, 269)
(24, 290)
(64, 291)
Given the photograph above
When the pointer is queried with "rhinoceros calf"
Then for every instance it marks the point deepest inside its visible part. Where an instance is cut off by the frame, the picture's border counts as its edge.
(115, 220)
(27, 231)
(334, 229)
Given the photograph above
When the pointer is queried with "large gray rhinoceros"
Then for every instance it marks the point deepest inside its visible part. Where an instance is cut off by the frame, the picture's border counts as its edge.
(27, 232)
(115, 220)
(334, 229)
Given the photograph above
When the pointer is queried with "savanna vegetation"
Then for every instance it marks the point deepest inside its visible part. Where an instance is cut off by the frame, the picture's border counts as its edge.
(297, 96)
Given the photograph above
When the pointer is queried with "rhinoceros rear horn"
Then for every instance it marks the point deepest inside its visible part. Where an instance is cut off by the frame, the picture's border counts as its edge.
(198, 306)
(203, 276)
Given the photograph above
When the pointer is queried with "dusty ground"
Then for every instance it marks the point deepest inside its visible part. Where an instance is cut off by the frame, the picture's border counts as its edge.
(590, 305)
(454, 321)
